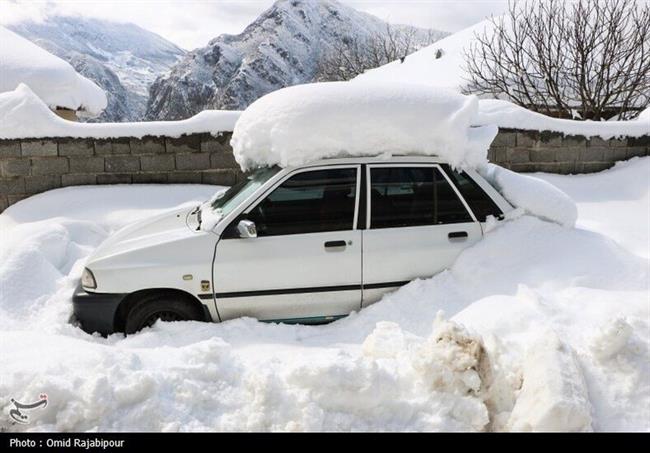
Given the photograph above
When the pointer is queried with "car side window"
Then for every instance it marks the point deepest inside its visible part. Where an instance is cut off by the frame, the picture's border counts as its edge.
(479, 202)
(309, 202)
(413, 196)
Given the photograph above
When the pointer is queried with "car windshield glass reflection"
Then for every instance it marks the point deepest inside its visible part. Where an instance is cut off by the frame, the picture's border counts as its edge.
(232, 197)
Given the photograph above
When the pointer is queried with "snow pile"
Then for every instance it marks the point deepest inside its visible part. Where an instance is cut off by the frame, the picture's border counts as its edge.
(612, 340)
(533, 195)
(305, 123)
(554, 393)
(24, 115)
(508, 115)
(52, 79)
(397, 365)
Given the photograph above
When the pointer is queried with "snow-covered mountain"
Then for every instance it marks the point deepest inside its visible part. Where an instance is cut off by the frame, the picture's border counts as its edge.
(282, 47)
(122, 58)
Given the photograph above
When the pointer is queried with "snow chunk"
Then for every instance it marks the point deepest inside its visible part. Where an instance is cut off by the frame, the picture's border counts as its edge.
(24, 115)
(533, 195)
(554, 393)
(612, 339)
(309, 122)
(51, 78)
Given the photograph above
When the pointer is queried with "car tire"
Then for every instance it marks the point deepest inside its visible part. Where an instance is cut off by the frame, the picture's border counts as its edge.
(144, 313)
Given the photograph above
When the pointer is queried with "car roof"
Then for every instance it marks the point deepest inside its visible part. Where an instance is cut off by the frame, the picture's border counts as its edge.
(371, 160)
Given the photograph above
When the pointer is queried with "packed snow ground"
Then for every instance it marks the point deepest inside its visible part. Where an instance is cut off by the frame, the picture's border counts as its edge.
(544, 328)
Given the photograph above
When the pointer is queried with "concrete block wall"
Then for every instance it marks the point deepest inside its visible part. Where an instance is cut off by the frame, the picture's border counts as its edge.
(31, 166)
(533, 151)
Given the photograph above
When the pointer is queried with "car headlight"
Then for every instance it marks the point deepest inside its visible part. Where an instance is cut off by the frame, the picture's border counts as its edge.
(88, 279)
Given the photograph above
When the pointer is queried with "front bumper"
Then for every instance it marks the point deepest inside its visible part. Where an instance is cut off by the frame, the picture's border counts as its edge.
(96, 311)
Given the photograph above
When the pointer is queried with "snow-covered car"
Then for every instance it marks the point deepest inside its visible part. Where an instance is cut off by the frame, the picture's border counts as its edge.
(304, 244)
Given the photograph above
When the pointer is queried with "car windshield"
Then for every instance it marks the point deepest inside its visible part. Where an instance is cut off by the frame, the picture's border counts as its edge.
(232, 197)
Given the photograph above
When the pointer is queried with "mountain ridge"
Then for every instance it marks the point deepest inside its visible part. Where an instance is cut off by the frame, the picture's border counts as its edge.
(282, 47)
(123, 58)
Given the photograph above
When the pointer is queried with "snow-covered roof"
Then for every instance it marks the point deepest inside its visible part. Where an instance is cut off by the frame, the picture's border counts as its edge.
(51, 78)
(25, 115)
(305, 123)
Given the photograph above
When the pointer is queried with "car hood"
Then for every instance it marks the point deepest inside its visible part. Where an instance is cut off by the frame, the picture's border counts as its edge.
(170, 226)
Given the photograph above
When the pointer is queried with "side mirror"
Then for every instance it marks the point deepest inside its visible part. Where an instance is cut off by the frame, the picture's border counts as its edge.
(246, 229)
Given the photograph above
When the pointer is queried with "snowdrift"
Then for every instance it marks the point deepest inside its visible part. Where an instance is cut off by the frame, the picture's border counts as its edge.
(533, 195)
(397, 365)
(53, 80)
(305, 123)
(24, 114)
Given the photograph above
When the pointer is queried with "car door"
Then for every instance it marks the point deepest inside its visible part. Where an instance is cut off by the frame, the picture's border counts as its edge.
(305, 263)
(417, 224)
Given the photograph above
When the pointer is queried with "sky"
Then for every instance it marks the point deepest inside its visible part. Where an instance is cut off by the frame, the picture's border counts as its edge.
(192, 23)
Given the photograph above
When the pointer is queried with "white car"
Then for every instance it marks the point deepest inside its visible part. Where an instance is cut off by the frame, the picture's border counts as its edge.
(305, 244)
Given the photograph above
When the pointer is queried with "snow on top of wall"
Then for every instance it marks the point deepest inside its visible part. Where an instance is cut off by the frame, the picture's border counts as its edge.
(505, 114)
(309, 122)
(25, 115)
(51, 78)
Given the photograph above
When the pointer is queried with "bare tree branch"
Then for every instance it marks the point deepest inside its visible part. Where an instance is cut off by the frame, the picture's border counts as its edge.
(353, 55)
(584, 58)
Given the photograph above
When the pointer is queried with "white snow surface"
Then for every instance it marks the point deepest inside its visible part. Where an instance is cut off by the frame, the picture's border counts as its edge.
(23, 114)
(533, 195)
(449, 72)
(304, 123)
(422, 67)
(505, 114)
(52, 79)
(535, 315)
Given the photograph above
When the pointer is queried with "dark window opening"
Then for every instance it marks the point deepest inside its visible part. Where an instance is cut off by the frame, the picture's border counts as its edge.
(413, 196)
(479, 202)
(309, 202)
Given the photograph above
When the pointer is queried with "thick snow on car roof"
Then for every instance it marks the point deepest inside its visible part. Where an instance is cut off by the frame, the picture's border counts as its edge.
(51, 78)
(304, 123)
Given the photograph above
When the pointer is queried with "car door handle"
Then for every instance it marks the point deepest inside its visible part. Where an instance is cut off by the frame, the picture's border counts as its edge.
(330, 244)
(457, 235)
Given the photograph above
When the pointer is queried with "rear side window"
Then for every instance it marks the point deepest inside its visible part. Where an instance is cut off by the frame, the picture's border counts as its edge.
(479, 202)
(412, 196)
(309, 202)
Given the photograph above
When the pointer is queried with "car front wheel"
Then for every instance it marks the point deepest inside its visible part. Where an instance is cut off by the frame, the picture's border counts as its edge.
(145, 313)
